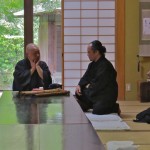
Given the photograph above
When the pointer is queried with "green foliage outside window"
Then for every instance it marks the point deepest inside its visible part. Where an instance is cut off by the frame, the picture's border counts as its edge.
(11, 40)
(12, 35)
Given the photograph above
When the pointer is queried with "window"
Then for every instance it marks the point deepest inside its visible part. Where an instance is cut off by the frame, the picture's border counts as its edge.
(11, 40)
(47, 34)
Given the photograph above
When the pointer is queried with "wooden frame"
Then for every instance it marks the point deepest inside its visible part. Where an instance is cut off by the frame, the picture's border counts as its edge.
(28, 22)
(120, 47)
(144, 23)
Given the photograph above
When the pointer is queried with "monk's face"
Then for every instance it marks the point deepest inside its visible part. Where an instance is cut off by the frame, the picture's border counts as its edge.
(93, 55)
(34, 55)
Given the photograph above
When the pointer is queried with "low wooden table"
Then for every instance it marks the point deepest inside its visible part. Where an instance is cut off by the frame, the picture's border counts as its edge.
(44, 123)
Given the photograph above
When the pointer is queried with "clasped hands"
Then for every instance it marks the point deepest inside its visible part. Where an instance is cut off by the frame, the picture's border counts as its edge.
(34, 65)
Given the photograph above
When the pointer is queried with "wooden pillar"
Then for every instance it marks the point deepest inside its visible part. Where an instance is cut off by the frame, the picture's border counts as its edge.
(52, 45)
(28, 22)
(120, 47)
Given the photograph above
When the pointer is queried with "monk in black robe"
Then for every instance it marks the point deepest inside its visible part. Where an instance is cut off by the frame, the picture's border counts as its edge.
(98, 88)
(31, 73)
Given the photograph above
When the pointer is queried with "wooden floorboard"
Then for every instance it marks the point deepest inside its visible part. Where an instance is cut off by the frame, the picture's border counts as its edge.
(139, 132)
(138, 137)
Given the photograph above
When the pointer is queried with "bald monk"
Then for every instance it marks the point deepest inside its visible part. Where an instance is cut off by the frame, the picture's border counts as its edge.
(31, 73)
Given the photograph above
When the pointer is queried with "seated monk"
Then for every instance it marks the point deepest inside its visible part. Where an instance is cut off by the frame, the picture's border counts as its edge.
(31, 73)
(98, 88)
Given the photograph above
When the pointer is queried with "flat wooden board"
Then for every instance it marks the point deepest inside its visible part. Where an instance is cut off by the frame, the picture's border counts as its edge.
(138, 137)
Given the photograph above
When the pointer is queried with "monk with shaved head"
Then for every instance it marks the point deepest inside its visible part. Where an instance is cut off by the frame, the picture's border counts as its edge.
(31, 73)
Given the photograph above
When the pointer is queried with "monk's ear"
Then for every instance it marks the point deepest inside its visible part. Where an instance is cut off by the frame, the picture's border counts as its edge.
(96, 52)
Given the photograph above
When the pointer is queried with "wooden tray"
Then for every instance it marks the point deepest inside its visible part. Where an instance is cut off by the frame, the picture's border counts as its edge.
(50, 92)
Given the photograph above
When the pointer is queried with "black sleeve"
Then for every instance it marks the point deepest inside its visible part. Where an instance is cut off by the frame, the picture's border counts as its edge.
(46, 75)
(104, 75)
(22, 77)
(85, 78)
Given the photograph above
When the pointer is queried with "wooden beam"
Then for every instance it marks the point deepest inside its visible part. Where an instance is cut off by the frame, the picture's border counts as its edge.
(28, 22)
(120, 47)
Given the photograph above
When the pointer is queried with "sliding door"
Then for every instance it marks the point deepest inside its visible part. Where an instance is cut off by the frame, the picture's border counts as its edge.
(85, 21)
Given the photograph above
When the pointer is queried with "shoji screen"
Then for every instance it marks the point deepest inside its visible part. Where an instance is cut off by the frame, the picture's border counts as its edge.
(85, 21)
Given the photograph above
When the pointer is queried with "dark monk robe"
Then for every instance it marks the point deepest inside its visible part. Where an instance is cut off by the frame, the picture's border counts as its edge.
(99, 88)
(24, 81)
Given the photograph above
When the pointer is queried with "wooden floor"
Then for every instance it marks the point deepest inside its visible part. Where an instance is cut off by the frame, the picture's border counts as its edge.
(139, 133)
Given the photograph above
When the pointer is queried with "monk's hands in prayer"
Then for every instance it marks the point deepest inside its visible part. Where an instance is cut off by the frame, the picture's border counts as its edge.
(37, 64)
(78, 90)
(34, 63)
(33, 66)
(39, 70)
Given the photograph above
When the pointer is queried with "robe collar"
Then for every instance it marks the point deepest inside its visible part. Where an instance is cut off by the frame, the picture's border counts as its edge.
(100, 59)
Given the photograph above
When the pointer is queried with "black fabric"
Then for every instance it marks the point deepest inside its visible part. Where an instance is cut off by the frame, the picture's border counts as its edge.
(98, 107)
(103, 89)
(143, 116)
(84, 102)
(55, 86)
(101, 109)
(101, 76)
(145, 92)
(24, 81)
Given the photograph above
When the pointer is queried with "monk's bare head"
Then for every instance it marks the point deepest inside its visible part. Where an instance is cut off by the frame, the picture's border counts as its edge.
(33, 52)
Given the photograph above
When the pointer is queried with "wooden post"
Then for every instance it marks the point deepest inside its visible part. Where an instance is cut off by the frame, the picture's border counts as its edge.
(28, 22)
